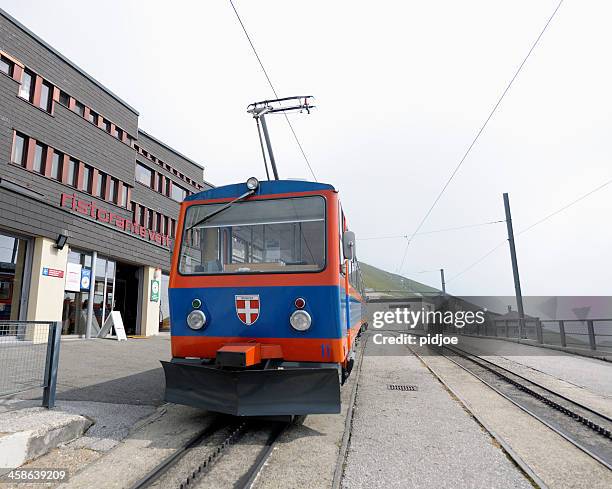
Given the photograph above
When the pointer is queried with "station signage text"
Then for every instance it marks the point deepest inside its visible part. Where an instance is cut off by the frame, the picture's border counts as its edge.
(90, 209)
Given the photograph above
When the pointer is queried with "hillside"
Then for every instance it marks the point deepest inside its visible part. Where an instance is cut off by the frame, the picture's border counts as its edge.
(381, 281)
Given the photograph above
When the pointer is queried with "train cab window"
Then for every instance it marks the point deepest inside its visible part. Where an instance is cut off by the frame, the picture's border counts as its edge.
(264, 236)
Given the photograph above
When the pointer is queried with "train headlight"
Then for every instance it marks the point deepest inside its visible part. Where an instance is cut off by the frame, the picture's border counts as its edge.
(196, 319)
(252, 183)
(300, 320)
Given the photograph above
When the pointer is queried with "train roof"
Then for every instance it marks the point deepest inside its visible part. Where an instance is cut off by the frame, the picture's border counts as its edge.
(266, 187)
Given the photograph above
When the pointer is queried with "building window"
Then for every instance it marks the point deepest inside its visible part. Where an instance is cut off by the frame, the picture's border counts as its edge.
(46, 90)
(141, 216)
(106, 125)
(167, 193)
(87, 174)
(112, 190)
(144, 175)
(150, 222)
(100, 185)
(124, 197)
(93, 117)
(79, 108)
(158, 225)
(40, 153)
(6, 66)
(26, 90)
(172, 227)
(178, 193)
(19, 150)
(56, 165)
(64, 99)
(73, 166)
(160, 184)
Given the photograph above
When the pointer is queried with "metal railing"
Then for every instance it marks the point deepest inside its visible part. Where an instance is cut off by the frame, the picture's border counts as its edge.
(588, 334)
(29, 357)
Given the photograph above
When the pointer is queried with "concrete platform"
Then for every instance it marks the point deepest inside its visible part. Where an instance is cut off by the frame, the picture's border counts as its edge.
(420, 439)
(26, 434)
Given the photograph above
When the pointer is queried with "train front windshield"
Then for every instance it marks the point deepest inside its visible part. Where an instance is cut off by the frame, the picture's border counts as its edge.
(278, 236)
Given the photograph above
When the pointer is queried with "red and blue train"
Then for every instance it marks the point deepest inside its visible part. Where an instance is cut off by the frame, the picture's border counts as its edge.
(266, 300)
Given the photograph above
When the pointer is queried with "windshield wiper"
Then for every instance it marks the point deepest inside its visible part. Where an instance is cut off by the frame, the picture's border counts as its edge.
(221, 209)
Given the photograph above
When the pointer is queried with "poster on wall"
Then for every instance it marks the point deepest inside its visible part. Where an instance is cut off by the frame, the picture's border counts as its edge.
(73, 277)
(154, 290)
(85, 278)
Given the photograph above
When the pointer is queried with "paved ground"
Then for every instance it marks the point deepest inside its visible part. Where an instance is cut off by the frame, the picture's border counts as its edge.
(551, 458)
(118, 385)
(400, 439)
(422, 439)
(120, 372)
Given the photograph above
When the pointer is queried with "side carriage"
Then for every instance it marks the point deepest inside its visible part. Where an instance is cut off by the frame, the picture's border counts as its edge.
(266, 300)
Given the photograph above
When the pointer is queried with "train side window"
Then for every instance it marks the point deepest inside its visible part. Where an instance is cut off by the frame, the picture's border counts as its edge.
(340, 236)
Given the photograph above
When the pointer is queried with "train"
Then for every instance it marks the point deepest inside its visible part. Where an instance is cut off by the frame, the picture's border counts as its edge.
(266, 300)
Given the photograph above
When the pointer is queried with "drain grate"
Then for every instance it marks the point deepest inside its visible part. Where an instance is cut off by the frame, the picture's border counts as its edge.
(397, 387)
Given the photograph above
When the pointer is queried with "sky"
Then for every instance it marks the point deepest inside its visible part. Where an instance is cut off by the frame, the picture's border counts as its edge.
(402, 88)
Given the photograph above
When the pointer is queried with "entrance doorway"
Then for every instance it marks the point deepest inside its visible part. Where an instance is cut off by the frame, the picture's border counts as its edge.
(13, 291)
(126, 296)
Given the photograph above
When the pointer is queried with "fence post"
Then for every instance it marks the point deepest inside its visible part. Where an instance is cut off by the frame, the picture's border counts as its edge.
(562, 333)
(538, 326)
(591, 334)
(53, 350)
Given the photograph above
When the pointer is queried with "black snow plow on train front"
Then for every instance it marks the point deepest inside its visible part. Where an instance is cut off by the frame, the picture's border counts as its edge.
(288, 390)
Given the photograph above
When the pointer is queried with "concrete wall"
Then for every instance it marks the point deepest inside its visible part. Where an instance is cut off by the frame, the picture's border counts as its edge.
(149, 313)
(46, 292)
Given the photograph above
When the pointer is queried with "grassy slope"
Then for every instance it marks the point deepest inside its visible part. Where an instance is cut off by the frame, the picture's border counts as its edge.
(379, 280)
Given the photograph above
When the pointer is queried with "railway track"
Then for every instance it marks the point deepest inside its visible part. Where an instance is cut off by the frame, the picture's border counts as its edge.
(588, 430)
(196, 464)
(190, 464)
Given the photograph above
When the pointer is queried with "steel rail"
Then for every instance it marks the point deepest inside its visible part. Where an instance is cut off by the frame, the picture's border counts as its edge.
(571, 439)
(540, 386)
(217, 425)
(247, 480)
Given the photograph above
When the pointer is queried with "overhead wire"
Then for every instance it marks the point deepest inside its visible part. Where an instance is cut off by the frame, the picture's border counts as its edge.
(468, 226)
(531, 226)
(480, 131)
(273, 89)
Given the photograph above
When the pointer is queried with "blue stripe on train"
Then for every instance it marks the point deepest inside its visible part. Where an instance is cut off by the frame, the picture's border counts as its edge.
(325, 304)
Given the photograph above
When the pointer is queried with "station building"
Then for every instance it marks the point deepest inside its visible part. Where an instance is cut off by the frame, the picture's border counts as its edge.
(88, 201)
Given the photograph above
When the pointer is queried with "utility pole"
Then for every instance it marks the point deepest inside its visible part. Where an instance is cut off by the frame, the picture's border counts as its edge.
(515, 272)
(443, 282)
